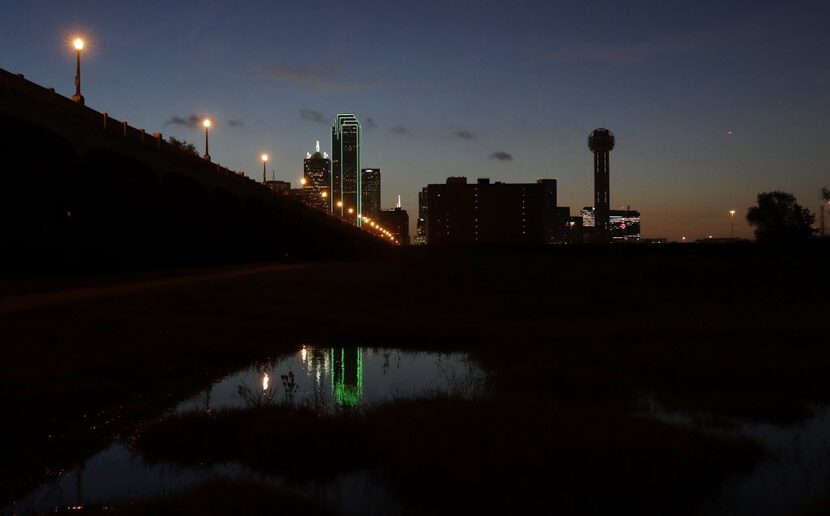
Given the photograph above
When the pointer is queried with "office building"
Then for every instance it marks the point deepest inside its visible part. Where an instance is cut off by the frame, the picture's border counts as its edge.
(421, 223)
(345, 167)
(458, 212)
(623, 224)
(317, 176)
(396, 221)
(370, 184)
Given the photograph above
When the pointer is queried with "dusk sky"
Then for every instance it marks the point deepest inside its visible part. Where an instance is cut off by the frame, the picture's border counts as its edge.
(710, 102)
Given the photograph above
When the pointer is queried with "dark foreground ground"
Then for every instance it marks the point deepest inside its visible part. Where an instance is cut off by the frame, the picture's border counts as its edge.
(572, 339)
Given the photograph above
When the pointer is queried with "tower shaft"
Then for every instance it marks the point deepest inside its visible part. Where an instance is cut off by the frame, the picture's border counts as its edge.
(602, 194)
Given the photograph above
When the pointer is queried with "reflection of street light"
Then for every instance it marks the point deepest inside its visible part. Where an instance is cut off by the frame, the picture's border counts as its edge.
(206, 123)
(264, 158)
(79, 45)
(732, 214)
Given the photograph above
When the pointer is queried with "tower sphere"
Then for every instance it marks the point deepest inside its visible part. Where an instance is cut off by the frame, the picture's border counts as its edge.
(601, 140)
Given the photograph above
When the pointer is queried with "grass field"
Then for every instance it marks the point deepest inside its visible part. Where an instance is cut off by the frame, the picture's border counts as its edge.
(573, 339)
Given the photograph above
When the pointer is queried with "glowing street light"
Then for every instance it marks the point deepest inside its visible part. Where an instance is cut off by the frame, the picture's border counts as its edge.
(339, 204)
(324, 194)
(303, 181)
(206, 124)
(732, 214)
(264, 159)
(78, 43)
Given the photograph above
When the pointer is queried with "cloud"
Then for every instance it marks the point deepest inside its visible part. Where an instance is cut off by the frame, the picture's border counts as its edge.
(235, 123)
(312, 116)
(321, 80)
(464, 134)
(399, 130)
(370, 124)
(185, 121)
(501, 156)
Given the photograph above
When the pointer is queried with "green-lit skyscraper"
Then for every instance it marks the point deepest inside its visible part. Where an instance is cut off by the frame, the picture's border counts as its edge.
(346, 185)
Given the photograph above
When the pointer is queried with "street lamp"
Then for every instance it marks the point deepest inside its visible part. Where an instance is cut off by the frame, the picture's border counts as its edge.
(78, 43)
(732, 214)
(264, 158)
(206, 123)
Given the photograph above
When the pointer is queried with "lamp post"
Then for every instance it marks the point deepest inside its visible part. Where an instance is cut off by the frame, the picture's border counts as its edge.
(264, 158)
(732, 214)
(79, 45)
(206, 123)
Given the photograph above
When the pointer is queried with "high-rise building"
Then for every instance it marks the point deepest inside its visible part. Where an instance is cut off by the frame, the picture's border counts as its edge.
(345, 167)
(396, 221)
(485, 212)
(601, 143)
(421, 224)
(370, 183)
(317, 175)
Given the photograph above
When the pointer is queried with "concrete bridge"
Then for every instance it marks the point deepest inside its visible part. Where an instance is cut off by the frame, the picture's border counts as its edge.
(82, 189)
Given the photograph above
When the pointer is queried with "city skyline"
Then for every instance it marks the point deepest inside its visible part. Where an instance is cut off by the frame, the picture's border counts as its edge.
(682, 94)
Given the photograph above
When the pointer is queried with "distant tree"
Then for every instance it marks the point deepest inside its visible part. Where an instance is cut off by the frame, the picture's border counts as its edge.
(183, 145)
(778, 218)
(825, 194)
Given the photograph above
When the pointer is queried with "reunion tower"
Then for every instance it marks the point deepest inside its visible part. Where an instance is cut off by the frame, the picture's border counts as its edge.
(601, 142)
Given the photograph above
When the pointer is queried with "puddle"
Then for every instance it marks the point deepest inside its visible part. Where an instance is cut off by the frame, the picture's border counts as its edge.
(332, 378)
(328, 379)
(795, 473)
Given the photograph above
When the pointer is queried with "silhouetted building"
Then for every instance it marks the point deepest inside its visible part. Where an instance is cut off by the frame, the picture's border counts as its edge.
(421, 223)
(283, 187)
(623, 224)
(396, 220)
(485, 212)
(317, 175)
(370, 184)
(345, 167)
(601, 142)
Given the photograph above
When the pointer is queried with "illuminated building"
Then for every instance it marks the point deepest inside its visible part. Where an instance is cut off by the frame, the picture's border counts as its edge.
(396, 220)
(347, 376)
(421, 224)
(317, 175)
(601, 143)
(370, 184)
(345, 168)
(623, 224)
(483, 212)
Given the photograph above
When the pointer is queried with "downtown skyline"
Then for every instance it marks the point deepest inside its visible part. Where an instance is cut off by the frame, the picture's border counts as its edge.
(712, 107)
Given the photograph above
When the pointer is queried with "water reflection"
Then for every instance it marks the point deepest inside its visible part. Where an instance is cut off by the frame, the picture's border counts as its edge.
(327, 379)
(339, 378)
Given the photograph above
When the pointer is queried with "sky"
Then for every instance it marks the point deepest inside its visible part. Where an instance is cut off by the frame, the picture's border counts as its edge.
(710, 102)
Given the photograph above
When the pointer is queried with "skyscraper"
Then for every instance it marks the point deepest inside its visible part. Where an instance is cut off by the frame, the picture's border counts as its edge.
(396, 220)
(317, 175)
(421, 224)
(370, 179)
(345, 167)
